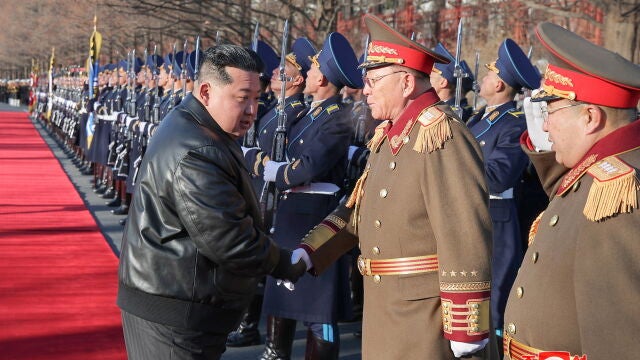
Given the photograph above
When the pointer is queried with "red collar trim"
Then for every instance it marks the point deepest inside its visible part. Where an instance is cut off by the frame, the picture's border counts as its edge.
(402, 127)
(622, 140)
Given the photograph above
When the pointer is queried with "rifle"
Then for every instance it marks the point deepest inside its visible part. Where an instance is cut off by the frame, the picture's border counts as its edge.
(118, 97)
(249, 139)
(172, 96)
(359, 135)
(196, 70)
(269, 196)
(132, 88)
(183, 73)
(476, 86)
(458, 73)
(155, 113)
(146, 113)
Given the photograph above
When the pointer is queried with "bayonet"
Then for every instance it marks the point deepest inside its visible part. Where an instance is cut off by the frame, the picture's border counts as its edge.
(476, 85)
(458, 73)
(146, 107)
(217, 37)
(196, 68)
(155, 114)
(174, 63)
(183, 73)
(249, 139)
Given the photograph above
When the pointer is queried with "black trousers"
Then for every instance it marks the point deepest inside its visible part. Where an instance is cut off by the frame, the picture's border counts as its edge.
(148, 340)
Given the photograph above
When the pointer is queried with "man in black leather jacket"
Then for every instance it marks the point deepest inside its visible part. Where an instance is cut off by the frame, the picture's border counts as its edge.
(194, 247)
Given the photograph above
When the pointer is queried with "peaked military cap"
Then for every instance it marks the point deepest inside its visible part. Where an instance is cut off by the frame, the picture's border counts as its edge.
(445, 69)
(583, 71)
(123, 64)
(191, 62)
(137, 65)
(301, 51)
(155, 62)
(168, 62)
(178, 62)
(268, 57)
(338, 63)
(514, 67)
(389, 47)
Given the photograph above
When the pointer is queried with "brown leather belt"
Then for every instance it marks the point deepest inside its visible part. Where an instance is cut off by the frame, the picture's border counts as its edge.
(398, 266)
(515, 350)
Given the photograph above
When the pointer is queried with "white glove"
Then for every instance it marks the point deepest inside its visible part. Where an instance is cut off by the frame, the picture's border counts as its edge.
(463, 348)
(298, 254)
(271, 170)
(245, 150)
(533, 113)
(352, 150)
(286, 283)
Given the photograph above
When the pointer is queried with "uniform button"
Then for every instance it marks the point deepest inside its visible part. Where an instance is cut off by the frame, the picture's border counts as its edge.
(446, 327)
(264, 131)
(520, 291)
(392, 165)
(301, 141)
(554, 220)
(511, 328)
(405, 139)
(383, 193)
(534, 257)
(475, 312)
(482, 143)
(446, 312)
(375, 250)
(576, 186)
(376, 279)
(377, 223)
(475, 306)
(293, 159)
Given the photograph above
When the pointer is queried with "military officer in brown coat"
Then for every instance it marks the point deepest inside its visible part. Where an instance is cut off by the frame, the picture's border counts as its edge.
(419, 212)
(577, 291)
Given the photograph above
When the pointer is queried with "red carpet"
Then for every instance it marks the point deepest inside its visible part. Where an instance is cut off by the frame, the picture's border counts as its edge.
(58, 276)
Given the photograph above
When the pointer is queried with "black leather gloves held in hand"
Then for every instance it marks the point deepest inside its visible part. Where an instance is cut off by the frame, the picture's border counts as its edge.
(285, 270)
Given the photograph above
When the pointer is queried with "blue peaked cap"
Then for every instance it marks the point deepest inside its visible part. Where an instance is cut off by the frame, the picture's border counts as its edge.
(301, 51)
(168, 61)
(137, 65)
(268, 57)
(446, 70)
(177, 63)
(338, 62)
(514, 68)
(155, 61)
(191, 63)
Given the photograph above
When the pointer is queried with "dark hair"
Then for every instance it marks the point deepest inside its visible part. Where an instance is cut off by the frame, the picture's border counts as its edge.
(217, 58)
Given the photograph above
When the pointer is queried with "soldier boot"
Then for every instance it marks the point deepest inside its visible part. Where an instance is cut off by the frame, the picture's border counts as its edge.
(280, 333)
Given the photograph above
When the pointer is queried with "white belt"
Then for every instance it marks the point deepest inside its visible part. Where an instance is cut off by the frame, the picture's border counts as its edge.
(507, 194)
(316, 188)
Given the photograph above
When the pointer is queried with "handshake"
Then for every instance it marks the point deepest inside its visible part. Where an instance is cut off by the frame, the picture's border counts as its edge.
(291, 266)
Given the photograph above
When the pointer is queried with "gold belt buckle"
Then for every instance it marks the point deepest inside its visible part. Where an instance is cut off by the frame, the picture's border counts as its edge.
(364, 266)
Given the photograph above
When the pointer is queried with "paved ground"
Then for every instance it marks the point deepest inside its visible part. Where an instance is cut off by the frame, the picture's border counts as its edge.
(112, 230)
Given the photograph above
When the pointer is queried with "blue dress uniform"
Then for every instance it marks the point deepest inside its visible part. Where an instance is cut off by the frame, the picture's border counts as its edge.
(498, 131)
(311, 188)
(447, 72)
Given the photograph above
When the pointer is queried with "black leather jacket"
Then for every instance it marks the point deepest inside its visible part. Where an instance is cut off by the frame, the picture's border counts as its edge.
(193, 250)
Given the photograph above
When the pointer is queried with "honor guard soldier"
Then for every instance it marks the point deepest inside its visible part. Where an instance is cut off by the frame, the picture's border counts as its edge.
(576, 293)
(310, 182)
(444, 82)
(176, 74)
(419, 212)
(165, 81)
(267, 98)
(497, 128)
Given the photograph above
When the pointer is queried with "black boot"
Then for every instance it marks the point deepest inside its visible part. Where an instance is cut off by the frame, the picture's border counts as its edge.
(117, 201)
(122, 210)
(247, 333)
(318, 349)
(109, 194)
(280, 333)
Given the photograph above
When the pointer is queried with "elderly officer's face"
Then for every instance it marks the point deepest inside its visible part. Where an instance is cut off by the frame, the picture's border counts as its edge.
(232, 106)
(562, 122)
(383, 89)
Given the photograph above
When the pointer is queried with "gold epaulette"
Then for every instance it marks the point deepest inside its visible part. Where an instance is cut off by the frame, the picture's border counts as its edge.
(378, 136)
(435, 130)
(614, 190)
(533, 230)
(332, 108)
(516, 113)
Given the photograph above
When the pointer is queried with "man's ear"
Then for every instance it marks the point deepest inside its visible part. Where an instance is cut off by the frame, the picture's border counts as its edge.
(297, 80)
(594, 120)
(204, 93)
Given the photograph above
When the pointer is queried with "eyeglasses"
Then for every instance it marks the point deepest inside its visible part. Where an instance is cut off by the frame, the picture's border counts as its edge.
(545, 110)
(371, 82)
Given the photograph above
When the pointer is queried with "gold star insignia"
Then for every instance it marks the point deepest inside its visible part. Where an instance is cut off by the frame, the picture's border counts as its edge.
(453, 273)
(474, 273)
(444, 273)
(463, 273)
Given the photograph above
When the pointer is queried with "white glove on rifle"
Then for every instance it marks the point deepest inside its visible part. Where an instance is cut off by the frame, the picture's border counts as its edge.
(533, 113)
(463, 348)
(271, 170)
(300, 253)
